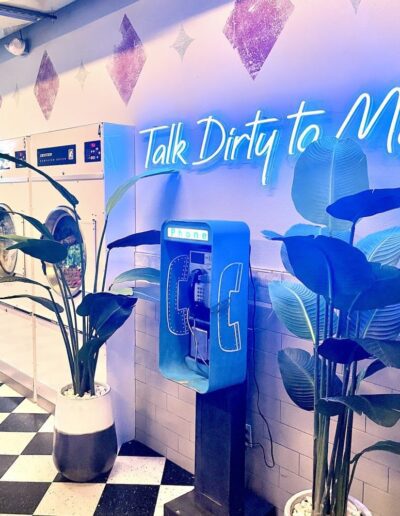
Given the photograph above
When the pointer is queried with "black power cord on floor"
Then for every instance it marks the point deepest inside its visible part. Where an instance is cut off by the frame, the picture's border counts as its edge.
(253, 331)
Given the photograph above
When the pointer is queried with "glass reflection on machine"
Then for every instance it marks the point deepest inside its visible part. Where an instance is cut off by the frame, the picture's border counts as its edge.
(8, 259)
(64, 228)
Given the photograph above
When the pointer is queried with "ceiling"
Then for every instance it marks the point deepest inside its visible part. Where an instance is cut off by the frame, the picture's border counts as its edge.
(15, 15)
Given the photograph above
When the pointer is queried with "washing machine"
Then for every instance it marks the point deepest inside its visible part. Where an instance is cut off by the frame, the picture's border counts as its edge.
(90, 161)
(15, 195)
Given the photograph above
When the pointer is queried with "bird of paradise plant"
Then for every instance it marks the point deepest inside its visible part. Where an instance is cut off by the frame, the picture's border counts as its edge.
(86, 327)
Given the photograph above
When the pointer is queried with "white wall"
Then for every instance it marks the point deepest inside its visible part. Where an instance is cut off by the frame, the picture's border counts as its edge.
(327, 55)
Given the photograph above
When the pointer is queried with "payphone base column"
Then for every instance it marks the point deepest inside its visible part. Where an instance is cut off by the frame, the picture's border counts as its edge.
(220, 460)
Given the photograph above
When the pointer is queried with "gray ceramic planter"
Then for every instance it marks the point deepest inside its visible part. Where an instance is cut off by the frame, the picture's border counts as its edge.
(85, 441)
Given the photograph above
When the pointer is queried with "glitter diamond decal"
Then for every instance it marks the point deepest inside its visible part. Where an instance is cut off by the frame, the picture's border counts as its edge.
(82, 74)
(182, 42)
(356, 4)
(46, 87)
(127, 62)
(253, 28)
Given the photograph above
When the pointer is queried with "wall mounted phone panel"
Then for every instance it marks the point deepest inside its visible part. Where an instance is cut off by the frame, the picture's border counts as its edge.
(204, 298)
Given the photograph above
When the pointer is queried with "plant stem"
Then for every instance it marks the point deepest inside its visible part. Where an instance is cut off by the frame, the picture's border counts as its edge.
(66, 341)
(98, 254)
(103, 284)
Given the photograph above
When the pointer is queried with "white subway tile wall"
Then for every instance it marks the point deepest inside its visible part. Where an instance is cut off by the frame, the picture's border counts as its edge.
(165, 412)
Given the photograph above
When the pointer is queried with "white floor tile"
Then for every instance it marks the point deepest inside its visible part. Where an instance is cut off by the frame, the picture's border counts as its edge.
(5, 390)
(137, 470)
(69, 499)
(28, 407)
(168, 493)
(48, 426)
(13, 443)
(31, 468)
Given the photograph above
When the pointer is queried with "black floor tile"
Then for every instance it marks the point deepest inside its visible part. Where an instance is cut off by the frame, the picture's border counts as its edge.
(23, 422)
(174, 475)
(134, 448)
(21, 497)
(41, 444)
(8, 404)
(5, 463)
(127, 500)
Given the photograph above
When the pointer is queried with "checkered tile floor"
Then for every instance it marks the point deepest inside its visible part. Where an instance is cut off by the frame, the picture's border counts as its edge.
(139, 484)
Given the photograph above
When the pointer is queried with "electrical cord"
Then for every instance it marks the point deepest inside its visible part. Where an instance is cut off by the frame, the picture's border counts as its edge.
(253, 331)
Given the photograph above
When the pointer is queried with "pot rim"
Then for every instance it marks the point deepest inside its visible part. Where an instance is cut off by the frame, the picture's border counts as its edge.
(81, 398)
(308, 492)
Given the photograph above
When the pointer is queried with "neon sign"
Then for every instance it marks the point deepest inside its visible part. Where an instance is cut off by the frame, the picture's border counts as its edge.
(260, 138)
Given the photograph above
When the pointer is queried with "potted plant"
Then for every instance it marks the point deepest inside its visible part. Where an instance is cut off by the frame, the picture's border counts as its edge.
(346, 301)
(85, 443)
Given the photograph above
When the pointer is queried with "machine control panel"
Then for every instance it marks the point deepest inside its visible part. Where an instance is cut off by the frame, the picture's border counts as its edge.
(21, 154)
(92, 151)
(54, 156)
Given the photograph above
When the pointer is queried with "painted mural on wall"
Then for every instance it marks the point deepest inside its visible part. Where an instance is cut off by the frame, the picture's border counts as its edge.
(47, 85)
(254, 27)
(127, 61)
(182, 42)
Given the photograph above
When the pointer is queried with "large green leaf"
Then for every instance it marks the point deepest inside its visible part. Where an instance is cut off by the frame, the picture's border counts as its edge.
(147, 293)
(309, 230)
(58, 186)
(387, 446)
(382, 246)
(22, 279)
(42, 228)
(365, 204)
(326, 171)
(380, 323)
(382, 291)
(296, 307)
(139, 274)
(89, 349)
(106, 311)
(373, 368)
(14, 238)
(387, 351)
(37, 299)
(151, 237)
(342, 351)
(48, 251)
(297, 370)
(121, 190)
(382, 409)
(330, 267)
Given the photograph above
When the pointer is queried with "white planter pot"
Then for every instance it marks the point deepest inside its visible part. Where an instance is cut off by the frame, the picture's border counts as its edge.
(299, 496)
(85, 441)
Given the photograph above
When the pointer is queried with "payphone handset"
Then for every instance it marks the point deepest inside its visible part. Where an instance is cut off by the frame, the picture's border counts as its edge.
(205, 289)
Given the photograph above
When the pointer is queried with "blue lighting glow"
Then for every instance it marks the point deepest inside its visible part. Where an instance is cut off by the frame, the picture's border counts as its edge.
(259, 139)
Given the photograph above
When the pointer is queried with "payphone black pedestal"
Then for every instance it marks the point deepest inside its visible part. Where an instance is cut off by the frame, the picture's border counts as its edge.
(220, 460)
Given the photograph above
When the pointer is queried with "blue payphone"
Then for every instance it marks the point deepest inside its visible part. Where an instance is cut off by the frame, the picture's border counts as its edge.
(204, 286)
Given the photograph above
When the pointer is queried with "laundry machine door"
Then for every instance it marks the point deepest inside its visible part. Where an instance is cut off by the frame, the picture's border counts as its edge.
(65, 229)
(8, 258)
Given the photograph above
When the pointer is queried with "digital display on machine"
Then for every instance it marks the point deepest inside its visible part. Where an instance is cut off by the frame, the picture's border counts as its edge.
(198, 235)
(92, 151)
(20, 154)
(53, 156)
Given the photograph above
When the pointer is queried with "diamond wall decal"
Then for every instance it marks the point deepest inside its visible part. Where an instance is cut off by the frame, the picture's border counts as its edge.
(46, 86)
(81, 75)
(182, 42)
(356, 4)
(253, 28)
(127, 61)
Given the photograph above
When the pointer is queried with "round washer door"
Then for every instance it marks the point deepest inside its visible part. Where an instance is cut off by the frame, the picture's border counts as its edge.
(8, 259)
(64, 228)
